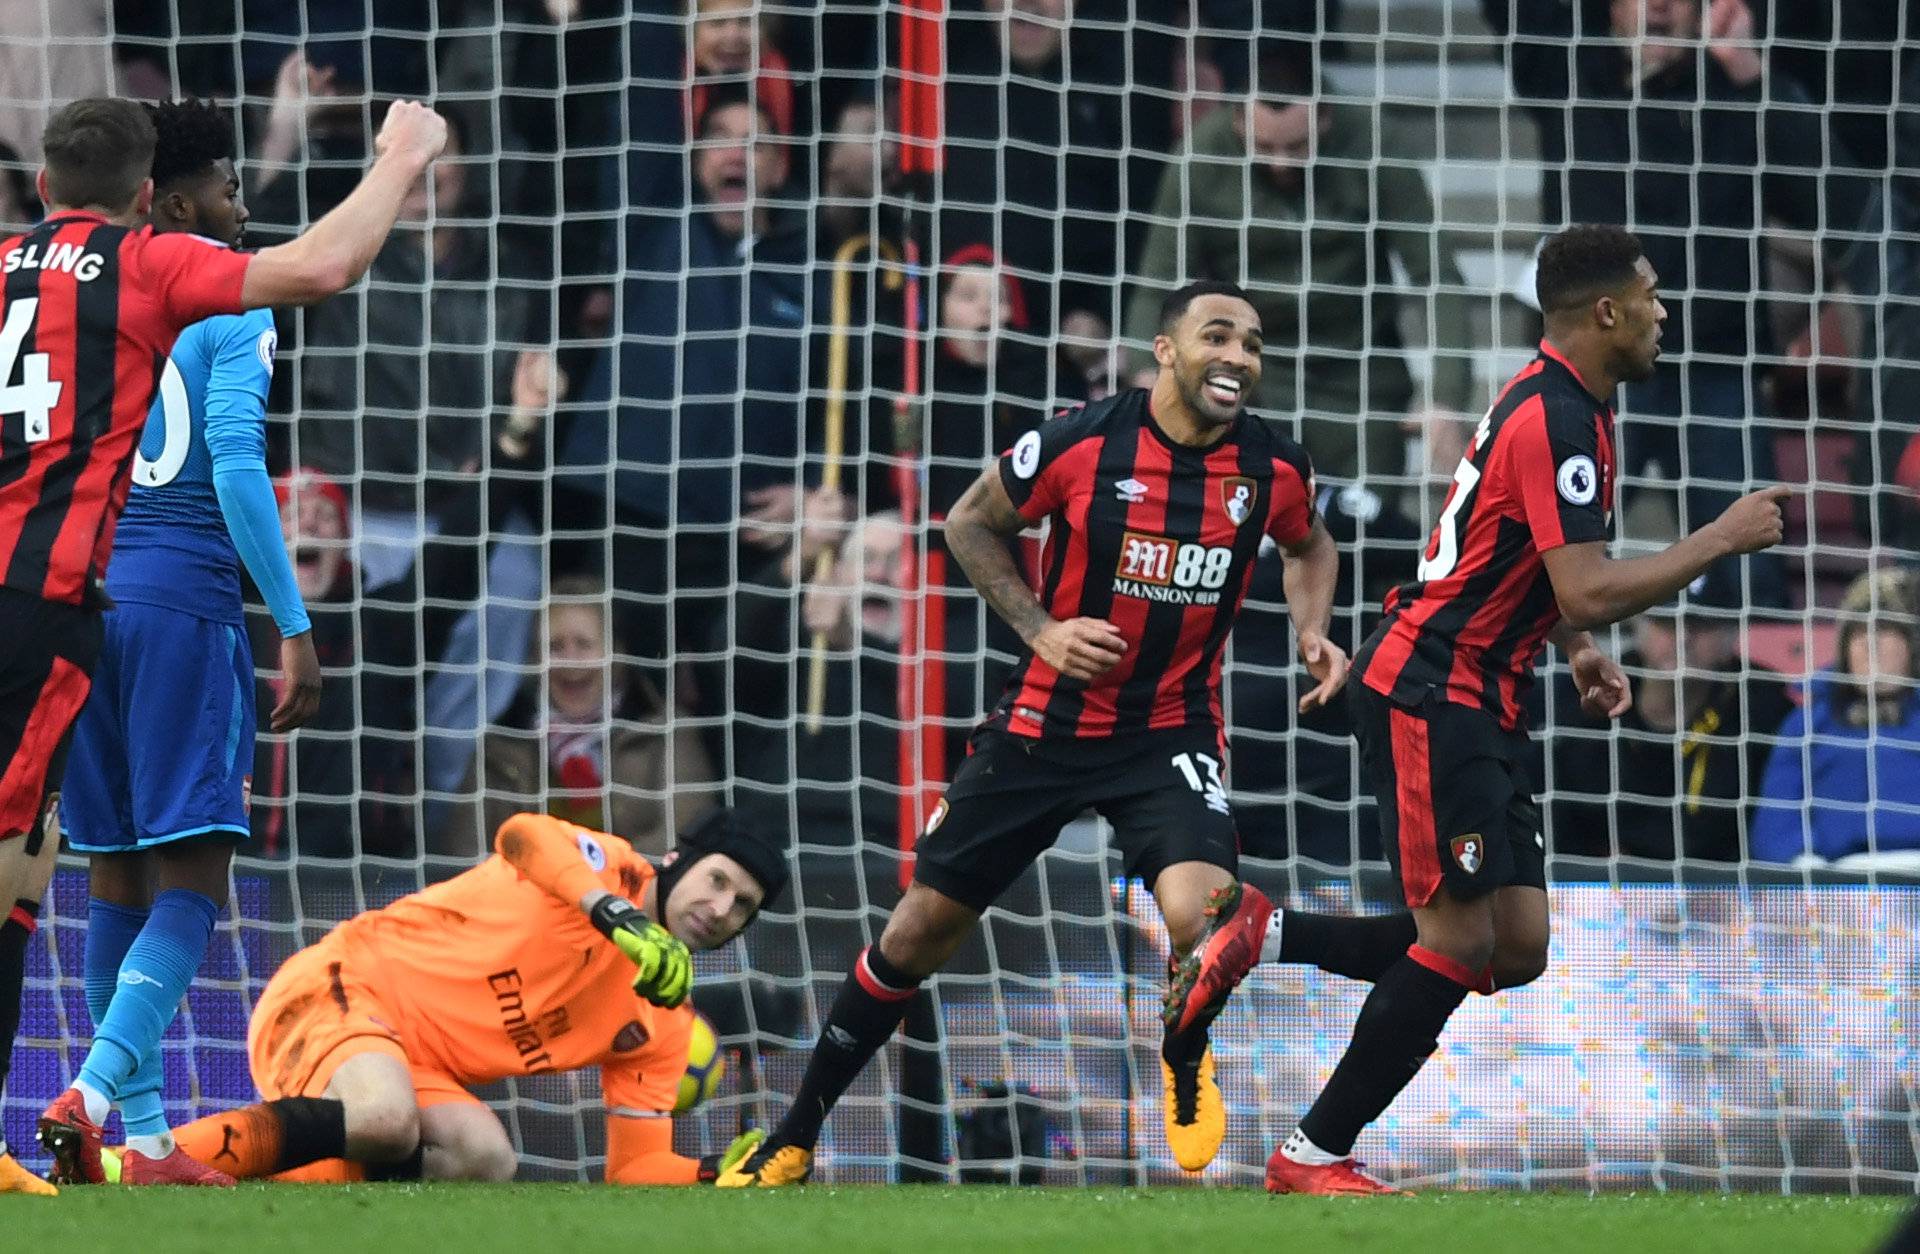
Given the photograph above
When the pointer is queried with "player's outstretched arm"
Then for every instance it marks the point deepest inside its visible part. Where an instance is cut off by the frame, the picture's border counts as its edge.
(1312, 571)
(978, 528)
(1595, 591)
(336, 250)
(550, 853)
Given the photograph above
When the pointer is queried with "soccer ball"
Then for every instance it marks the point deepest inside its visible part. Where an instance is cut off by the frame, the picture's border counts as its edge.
(705, 1066)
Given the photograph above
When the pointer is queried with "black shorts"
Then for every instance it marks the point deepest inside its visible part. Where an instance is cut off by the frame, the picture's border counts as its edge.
(1456, 802)
(1164, 792)
(46, 668)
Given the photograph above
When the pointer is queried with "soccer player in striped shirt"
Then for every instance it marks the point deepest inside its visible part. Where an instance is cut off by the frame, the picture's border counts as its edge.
(1517, 559)
(1159, 500)
(90, 305)
(157, 782)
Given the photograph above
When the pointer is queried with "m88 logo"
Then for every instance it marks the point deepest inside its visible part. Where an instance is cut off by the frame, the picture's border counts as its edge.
(1167, 563)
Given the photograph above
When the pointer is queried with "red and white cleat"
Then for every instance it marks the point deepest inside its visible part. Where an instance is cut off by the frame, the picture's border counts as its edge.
(175, 1168)
(73, 1139)
(1344, 1178)
(1228, 950)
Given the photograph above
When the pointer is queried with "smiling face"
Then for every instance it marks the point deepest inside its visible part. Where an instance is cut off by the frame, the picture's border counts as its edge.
(1213, 353)
(712, 902)
(723, 34)
(576, 661)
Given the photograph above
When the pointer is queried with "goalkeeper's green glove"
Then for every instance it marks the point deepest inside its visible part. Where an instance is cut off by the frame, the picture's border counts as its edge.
(665, 968)
(713, 1166)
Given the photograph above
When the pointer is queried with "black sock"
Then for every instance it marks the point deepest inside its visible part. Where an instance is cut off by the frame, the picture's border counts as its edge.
(408, 1168)
(1360, 947)
(1398, 1029)
(868, 1008)
(14, 934)
(312, 1129)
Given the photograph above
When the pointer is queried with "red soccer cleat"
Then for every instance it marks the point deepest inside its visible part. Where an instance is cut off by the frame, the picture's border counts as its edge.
(1342, 1179)
(73, 1140)
(1228, 950)
(175, 1168)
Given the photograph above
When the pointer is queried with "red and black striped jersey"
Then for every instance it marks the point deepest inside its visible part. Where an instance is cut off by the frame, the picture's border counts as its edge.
(1160, 540)
(1538, 474)
(88, 313)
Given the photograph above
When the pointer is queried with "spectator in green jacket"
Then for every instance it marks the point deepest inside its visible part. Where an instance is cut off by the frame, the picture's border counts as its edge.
(1289, 197)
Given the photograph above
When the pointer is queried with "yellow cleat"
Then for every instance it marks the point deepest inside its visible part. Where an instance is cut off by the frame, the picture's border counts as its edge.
(17, 1179)
(1196, 1117)
(769, 1168)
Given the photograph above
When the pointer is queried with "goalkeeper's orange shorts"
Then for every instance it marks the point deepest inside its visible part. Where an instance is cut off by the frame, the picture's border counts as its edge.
(315, 1014)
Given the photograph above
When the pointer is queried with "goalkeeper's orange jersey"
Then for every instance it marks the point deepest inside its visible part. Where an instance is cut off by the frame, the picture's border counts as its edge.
(497, 972)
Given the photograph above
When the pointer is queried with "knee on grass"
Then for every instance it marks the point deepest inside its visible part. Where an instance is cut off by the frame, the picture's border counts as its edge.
(383, 1133)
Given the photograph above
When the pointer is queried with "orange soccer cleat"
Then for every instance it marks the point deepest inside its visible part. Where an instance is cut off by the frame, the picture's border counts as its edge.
(73, 1140)
(17, 1179)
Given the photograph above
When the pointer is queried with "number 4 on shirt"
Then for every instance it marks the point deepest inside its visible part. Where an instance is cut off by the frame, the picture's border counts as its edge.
(37, 392)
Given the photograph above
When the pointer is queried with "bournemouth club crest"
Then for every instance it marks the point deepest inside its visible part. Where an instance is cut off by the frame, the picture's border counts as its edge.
(1469, 852)
(1236, 494)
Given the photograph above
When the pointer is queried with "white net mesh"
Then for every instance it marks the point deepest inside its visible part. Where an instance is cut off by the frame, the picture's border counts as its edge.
(673, 322)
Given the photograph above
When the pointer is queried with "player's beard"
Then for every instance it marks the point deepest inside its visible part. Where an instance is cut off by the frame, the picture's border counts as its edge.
(1203, 407)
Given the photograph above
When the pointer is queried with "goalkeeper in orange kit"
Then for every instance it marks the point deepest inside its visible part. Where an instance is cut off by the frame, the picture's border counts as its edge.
(545, 957)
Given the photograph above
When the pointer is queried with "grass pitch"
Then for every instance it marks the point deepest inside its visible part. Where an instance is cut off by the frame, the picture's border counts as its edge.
(920, 1219)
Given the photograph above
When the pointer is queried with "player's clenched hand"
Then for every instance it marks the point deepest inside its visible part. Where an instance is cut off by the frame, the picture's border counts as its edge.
(713, 1166)
(663, 967)
(1604, 689)
(411, 129)
(1754, 522)
(1326, 662)
(1085, 648)
(301, 666)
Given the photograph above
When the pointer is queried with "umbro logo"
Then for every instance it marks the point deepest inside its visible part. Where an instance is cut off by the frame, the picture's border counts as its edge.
(1132, 491)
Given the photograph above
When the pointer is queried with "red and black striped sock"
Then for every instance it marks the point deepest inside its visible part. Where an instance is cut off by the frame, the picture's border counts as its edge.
(1397, 1031)
(869, 1007)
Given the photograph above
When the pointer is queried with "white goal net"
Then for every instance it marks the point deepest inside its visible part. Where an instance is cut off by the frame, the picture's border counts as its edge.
(615, 491)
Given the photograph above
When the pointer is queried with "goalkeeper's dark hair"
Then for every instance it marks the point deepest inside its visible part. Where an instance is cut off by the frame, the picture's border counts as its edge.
(191, 136)
(1583, 263)
(1174, 307)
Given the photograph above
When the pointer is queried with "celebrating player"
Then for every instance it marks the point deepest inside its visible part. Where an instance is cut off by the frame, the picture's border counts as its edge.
(366, 1044)
(89, 304)
(1518, 558)
(156, 787)
(1159, 501)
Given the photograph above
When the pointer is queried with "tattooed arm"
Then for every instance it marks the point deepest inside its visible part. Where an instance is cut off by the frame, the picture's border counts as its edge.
(978, 529)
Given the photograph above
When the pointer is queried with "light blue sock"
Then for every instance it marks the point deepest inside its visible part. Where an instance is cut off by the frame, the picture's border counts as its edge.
(154, 976)
(111, 931)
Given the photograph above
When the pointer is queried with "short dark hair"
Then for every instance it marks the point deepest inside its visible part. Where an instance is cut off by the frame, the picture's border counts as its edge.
(1582, 263)
(724, 96)
(98, 152)
(1285, 70)
(1175, 306)
(192, 136)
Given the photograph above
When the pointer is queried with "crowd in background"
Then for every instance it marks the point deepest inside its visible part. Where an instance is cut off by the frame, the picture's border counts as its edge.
(604, 488)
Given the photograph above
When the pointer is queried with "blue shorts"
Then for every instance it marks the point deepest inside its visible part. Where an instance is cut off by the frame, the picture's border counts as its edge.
(163, 749)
